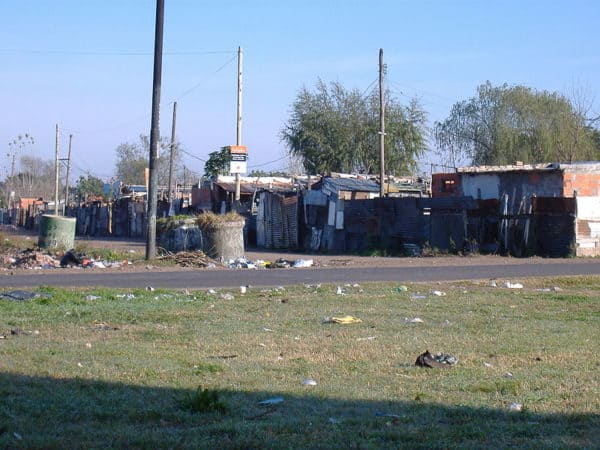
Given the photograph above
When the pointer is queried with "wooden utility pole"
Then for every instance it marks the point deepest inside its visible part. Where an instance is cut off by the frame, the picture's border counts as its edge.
(238, 139)
(172, 150)
(381, 127)
(155, 130)
(56, 172)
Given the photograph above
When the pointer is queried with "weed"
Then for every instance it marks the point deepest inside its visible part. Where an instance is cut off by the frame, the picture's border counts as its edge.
(205, 400)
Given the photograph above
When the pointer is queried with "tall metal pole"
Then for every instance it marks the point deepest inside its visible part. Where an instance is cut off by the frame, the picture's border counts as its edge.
(154, 130)
(67, 177)
(172, 150)
(381, 126)
(56, 172)
(238, 139)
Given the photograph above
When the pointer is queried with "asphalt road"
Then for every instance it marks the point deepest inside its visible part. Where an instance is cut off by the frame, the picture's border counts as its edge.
(198, 279)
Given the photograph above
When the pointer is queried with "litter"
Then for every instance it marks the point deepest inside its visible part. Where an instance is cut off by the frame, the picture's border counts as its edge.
(227, 296)
(393, 416)
(312, 286)
(150, 288)
(508, 375)
(368, 338)
(92, 297)
(21, 296)
(303, 263)
(271, 401)
(401, 288)
(98, 265)
(515, 407)
(413, 320)
(339, 291)
(439, 360)
(126, 296)
(243, 289)
(417, 297)
(309, 382)
(212, 292)
(487, 364)
(343, 320)
(510, 285)
(438, 293)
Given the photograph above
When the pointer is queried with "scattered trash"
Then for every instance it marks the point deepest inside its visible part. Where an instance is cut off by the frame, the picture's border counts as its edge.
(393, 416)
(267, 329)
(126, 296)
(18, 332)
(556, 289)
(492, 284)
(487, 364)
(17, 436)
(71, 258)
(343, 320)
(413, 320)
(401, 288)
(271, 401)
(79, 364)
(417, 297)
(508, 375)
(150, 288)
(303, 263)
(92, 297)
(515, 407)
(312, 286)
(368, 338)
(309, 382)
(98, 265)
(243, 289)
(88, 345)
(439, 360)
(21, 296)
(339, 291)
(212, 292)
(510, 285)
(438, 293)
(227, 296)
(334, 420)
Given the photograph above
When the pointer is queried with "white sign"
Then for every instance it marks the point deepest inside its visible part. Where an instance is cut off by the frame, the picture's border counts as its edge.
(238, 167)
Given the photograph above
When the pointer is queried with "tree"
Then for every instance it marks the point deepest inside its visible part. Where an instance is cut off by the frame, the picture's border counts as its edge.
(334, 129)
(217, 163)
(16, 146)
(505, 124)
(33, 178)
(132, 161)
(89, 186)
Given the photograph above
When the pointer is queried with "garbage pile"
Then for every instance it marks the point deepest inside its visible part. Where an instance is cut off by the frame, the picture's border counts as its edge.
(281, 263)
(194, 258)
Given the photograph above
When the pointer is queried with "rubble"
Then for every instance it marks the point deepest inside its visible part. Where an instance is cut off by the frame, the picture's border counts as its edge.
(196, 259)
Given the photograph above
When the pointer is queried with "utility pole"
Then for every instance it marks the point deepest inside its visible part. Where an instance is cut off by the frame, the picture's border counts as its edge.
(172, 150)
(238, 140)
(68, 160)
(155, 130)
(56, 172)
(381, 127)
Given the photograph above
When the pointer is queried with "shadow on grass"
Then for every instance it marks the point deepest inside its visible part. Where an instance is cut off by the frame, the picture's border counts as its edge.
(41, 412)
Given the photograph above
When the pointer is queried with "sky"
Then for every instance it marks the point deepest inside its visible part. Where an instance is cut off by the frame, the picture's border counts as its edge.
(87, 65)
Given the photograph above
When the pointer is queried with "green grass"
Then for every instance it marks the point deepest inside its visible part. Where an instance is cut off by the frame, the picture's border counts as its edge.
(165, 369)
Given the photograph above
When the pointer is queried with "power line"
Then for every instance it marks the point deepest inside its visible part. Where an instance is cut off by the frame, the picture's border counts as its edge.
(267, 163)
(90, 53)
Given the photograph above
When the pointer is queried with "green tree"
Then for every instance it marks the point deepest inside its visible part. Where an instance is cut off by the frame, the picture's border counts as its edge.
(132, 161)
(217, 163)
(336, 130)
(89, 185)
(505, 124)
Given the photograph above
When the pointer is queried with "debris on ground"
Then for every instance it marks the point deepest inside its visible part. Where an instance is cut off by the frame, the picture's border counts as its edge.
(515, 407)
(510, 285)
(413, 320)
(303, 263)
(32, 259)
(271, 401)
(401, 288)
(345, 320)
(438, 293)
(439, 360)
(196, 259)
(309, 382)
(21, 296)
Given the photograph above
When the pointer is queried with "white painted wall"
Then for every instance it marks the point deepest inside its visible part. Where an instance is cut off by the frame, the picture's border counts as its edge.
(588, 208)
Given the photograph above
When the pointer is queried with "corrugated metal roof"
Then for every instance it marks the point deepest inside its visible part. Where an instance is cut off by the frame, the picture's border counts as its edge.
(349, 184)
(249, 188)
(509, 168)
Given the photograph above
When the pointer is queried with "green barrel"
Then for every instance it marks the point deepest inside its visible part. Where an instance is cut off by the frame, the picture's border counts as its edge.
(57, 232)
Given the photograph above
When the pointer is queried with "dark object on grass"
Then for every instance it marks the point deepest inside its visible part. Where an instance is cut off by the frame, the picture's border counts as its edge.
(438, 361)
(71, 258)
(204, 400)
(21, 296)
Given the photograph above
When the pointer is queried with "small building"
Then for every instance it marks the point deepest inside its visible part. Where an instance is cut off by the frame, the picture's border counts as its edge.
(542, 189)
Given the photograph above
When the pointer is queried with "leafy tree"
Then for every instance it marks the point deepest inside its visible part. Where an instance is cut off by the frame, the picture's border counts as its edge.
(217, 163)
(133, 158)
(262, 173)
(335, 129)
(505, 124)
(90, 185)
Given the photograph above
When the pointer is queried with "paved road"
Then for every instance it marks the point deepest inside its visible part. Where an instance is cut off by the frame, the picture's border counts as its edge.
(195, 279)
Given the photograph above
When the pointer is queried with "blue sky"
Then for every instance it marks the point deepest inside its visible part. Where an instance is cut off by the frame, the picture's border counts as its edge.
(87, 64)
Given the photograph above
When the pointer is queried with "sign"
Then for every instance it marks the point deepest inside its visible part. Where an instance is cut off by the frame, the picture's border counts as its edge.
(238, 157)
(238, 167)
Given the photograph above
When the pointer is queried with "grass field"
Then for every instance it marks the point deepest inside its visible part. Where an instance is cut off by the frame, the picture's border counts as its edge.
(102, 368)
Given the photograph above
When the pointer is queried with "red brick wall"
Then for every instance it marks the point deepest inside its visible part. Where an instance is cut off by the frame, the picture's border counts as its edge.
(446, 185)
(586, 184)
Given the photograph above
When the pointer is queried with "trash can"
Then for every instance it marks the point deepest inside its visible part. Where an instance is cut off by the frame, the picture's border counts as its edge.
(57, 232)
